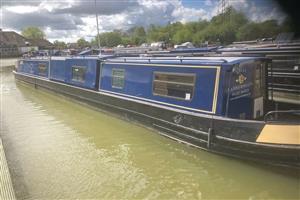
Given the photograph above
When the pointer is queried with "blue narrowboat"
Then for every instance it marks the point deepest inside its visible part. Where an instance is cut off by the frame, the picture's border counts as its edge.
(219, 104)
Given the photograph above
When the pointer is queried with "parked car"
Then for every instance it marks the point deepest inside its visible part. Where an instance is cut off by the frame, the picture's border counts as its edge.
(61, 53)
(185, 45)
(36, 53)
(145, 45)
(158, 45)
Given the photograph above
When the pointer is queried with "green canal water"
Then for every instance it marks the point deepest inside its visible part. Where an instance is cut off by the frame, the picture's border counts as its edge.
(59, 149)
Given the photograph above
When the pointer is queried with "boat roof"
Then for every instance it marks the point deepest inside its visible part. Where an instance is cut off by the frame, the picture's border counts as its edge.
(191, 50)
(193, 60)
(260, 49)
(82, 57)
(183, 60)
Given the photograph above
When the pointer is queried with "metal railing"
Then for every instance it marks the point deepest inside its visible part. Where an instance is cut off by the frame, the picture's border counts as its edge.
(290, 115)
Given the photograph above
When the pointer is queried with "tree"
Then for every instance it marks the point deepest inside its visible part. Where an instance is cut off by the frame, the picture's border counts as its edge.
(138, 35)
(269, 28)
(94, 42)
(181, 36)
(82, 43)
(126, 40)
(32, 32)
(287, 25)
(59, 45)
(108, 39)
(252, 31)
(221, 29)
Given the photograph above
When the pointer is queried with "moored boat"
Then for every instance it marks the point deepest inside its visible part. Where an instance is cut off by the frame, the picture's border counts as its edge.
(219, 104)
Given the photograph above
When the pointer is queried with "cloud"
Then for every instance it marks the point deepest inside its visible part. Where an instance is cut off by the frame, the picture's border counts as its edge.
(208, 2)
(105, 7)
(255, 10)
(72, 19)
(269, 10)
(20, 2)
(41, 18)
(153, 12)
(22, 9)
(148, 12)
(184, 14)
(62, 35)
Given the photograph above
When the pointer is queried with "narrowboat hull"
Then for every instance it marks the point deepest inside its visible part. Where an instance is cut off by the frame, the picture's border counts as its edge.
(235, 138)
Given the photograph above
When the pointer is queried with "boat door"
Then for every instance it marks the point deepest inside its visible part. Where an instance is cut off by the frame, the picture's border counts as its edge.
(247, 90)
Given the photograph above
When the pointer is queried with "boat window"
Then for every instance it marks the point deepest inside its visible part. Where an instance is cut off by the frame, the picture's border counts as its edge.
(118, 78)
(174, 85)
(42, 69)
(78, 73)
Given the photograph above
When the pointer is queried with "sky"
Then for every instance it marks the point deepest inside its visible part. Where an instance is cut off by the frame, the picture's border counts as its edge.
(69, 20)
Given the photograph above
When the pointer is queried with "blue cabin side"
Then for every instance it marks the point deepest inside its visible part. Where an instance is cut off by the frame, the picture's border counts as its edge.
(234, 88)
(193, 87)
(82, 72)
(58, 69)
(34, 67)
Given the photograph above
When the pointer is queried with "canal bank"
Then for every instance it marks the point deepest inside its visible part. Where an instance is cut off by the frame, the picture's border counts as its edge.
(58, 149)
(7, 62)
(6, 186)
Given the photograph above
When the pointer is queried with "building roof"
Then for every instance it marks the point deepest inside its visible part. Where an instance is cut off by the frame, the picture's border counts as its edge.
(11, 38)
(40, 42)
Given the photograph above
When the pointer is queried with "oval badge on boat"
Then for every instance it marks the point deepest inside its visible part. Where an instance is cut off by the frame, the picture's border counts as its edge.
(241, 79)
